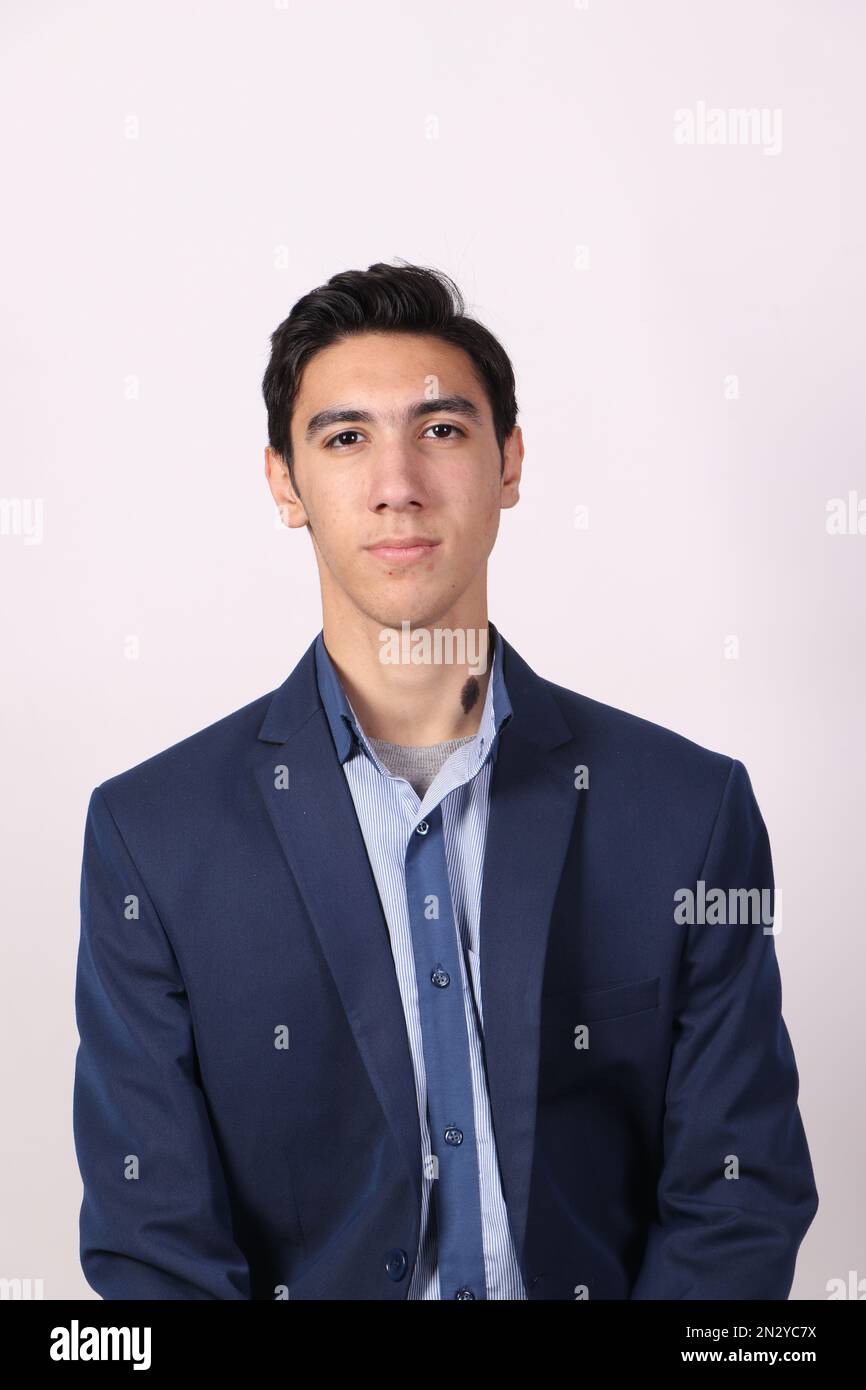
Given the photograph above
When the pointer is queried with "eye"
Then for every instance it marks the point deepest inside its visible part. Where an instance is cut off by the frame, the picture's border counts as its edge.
(445, 425)
(342, 435)
(353, 435)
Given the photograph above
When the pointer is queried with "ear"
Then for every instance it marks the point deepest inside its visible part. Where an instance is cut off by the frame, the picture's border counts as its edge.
(288, 501)
(513, 451)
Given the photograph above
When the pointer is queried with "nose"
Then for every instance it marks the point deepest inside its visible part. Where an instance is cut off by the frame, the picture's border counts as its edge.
(397, 477)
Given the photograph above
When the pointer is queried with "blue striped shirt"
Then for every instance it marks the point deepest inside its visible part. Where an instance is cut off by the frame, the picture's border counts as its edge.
(395, 824)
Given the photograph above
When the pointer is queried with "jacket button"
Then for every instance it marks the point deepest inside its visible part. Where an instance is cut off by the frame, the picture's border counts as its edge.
(396, 1264)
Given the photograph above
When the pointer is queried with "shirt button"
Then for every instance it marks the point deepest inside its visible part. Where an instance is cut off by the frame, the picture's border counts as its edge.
(453, 1135)
(440, 978)
(422, 828)
(464, 1293)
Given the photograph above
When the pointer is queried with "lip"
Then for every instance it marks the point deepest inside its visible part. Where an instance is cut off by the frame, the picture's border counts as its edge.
(403, 551)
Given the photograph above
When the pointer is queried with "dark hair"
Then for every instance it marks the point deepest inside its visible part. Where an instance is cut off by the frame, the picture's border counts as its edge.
(385, 298)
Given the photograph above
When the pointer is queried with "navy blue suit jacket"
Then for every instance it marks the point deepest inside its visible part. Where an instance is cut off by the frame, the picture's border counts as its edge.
(244, 1109)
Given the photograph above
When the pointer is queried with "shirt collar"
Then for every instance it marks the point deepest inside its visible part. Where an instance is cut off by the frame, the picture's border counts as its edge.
(346, 727)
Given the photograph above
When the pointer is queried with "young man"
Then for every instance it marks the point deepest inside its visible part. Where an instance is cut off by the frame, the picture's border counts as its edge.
(388, 982)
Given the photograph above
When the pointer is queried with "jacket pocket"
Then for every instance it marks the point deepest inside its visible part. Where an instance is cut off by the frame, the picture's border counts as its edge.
(591, 1006)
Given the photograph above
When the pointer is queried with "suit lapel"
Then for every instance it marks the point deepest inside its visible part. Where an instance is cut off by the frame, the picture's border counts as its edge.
(532, 809)
(531, 814)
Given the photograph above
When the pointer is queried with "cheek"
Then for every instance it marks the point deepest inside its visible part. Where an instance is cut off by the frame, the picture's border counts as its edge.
(476, 498)
(332, 516)
(488, 511)
(334, 539)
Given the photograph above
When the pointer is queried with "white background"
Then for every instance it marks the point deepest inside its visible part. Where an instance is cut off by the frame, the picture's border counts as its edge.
(276, 145)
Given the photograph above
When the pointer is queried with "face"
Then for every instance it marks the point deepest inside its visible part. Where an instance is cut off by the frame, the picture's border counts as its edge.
(393, 440)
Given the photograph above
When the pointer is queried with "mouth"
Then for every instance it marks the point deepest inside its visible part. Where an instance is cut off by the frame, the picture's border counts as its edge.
(403, 552)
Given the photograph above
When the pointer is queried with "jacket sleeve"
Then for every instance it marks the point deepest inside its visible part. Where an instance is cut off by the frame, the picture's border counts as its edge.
(731, 1101)
(155, 1219)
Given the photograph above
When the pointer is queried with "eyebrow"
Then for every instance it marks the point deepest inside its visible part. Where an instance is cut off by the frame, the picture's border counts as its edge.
(345, 414)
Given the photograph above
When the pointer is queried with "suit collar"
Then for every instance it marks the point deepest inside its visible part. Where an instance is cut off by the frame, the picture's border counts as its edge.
(522, 700)
(346, 727)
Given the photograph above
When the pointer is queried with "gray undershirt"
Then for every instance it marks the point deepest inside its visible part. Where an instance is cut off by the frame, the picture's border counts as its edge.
(419, 764)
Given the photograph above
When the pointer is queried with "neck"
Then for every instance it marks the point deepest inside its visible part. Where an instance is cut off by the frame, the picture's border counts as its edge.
(436, 696)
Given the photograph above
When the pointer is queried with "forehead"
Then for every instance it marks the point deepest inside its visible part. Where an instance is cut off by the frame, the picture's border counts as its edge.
(387, 366)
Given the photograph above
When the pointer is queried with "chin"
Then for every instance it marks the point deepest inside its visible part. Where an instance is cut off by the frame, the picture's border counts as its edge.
(391, 617)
